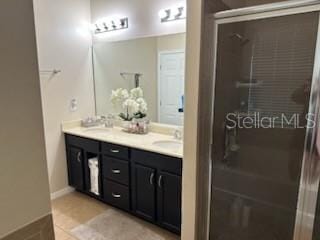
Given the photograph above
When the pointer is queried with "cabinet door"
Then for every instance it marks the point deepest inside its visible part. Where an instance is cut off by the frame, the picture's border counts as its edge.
(144, 191)
(169, 201)
(75, 168)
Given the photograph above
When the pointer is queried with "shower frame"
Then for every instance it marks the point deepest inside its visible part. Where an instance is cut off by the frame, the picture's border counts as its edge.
(307, 198)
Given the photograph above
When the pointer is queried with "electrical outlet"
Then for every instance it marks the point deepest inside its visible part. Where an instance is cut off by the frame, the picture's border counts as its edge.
(73, 105)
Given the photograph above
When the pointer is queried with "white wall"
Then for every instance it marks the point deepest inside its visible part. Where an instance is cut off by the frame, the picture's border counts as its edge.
(142, 14)
(189, 178)
(24, 184)
(171, 42)
(64, 43)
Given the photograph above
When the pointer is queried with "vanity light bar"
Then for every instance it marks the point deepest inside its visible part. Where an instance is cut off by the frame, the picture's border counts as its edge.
(173, 14)
(111, 25)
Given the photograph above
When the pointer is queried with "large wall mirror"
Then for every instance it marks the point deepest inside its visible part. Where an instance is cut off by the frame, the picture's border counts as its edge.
(154, 64)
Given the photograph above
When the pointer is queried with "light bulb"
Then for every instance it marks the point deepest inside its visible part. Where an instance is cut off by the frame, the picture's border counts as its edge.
(123, 23)
(98, 29)
(175, 12)
(163, 14)
(184, 13)
(114, 26)
(105, 26)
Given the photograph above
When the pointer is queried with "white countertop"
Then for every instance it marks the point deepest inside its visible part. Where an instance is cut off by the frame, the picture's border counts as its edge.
(117, 136)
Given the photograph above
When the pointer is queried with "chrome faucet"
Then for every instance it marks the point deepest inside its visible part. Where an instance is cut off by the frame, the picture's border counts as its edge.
(178, 134)
(109, 121)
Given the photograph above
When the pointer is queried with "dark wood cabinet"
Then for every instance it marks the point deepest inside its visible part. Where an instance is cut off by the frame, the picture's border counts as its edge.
(144, 192)
(143, 183)
(120, 152)
(156, 196)
(80, 150)
(75, 168)
(156, 188)
(169, 201)
(116, 195)
(116, 170)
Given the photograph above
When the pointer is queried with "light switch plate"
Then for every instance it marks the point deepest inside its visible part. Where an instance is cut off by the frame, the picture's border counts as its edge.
(73, 105)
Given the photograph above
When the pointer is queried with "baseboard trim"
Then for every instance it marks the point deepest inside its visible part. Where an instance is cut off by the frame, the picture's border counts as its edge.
(41, 229)
(61, 193)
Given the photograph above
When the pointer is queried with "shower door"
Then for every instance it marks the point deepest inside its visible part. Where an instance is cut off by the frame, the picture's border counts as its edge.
(264, 156)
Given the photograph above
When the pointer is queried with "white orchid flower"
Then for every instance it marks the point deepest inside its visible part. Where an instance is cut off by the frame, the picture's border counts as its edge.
(136, 93)
(131, 105)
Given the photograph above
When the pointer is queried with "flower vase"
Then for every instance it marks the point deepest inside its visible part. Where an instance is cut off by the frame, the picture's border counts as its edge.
(136, 126)
(126, 125)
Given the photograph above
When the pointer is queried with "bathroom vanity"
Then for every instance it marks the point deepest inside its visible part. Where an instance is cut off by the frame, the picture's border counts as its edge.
(135, 174)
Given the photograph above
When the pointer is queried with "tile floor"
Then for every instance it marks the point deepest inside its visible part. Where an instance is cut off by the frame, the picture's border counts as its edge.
(75, 209)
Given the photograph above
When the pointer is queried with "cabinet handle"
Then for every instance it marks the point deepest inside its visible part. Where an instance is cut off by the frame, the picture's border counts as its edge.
(160, 181)
(116, 171)
(151, 178)
(115, 150)
(116, 195)
(79, 157)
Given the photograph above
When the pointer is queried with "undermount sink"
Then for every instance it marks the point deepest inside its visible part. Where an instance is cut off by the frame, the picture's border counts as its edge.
(99, 130)
(168, 144)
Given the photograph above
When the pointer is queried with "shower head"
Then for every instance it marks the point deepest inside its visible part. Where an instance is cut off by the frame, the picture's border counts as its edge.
(240, 38)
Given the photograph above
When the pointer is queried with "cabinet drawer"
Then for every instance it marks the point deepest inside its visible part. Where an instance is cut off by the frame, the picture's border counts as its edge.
(116, 194)
(115, 151)
(116, 170)
(87, 144)
(162, 162)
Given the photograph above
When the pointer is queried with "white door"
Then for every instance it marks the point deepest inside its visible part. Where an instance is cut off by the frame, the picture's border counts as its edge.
(171, 87)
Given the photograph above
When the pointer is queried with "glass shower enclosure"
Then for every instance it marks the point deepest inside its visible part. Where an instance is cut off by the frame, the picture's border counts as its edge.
(265, 155)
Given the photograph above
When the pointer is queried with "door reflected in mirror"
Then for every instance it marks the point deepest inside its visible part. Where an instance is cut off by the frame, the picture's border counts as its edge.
(141, 78)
